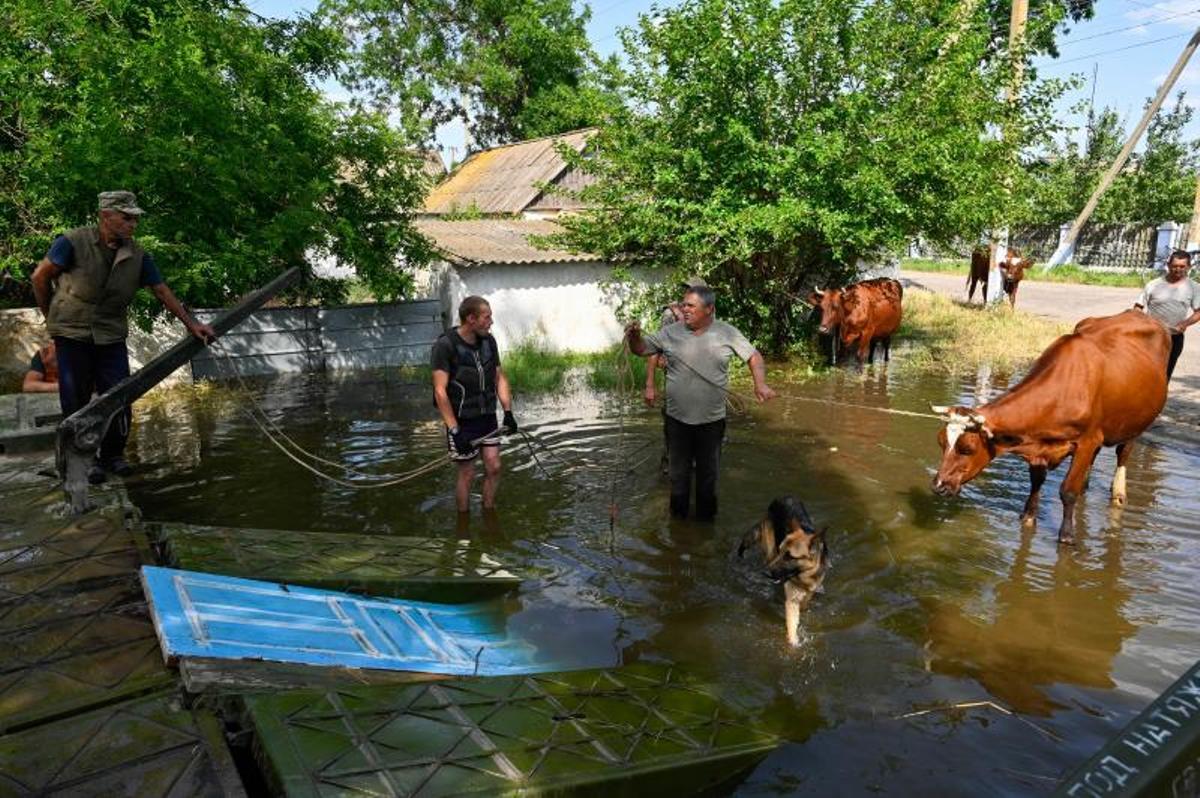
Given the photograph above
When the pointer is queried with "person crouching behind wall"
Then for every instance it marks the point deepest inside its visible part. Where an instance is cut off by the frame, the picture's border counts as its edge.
(42, 376)
(467, 381)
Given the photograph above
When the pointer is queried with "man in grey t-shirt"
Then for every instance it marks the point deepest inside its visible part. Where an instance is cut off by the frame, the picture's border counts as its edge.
(1173, 300)
(697, 353)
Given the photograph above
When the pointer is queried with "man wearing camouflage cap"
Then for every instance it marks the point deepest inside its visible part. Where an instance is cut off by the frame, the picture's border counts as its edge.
(84, 287)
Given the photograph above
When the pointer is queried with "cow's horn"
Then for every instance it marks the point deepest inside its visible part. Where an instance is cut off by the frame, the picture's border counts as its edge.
(941, 410)
(978, 420)
(818, 290)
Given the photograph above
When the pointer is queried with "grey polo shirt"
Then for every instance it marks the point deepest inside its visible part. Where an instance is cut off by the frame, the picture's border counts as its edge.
(698, 368)
(1170, 303)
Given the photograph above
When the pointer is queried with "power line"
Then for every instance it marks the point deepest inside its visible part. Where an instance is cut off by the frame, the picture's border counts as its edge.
(610, 7)
(1147, 23)
(1118, 49)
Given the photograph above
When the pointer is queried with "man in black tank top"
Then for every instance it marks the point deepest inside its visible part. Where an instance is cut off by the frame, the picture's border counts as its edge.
(467, 382)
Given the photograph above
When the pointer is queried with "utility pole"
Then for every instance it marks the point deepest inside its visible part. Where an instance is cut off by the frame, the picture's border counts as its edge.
(1016, 51)
(1065, 248)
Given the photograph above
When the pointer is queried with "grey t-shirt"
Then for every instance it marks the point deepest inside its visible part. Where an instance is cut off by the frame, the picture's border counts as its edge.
(698, 398)
(1170, 303)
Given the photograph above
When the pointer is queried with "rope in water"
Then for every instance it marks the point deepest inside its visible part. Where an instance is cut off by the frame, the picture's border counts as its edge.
(275, 435)
(741, 402)
(624, 384)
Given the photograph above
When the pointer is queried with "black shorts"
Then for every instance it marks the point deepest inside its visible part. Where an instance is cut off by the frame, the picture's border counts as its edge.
(475, 428)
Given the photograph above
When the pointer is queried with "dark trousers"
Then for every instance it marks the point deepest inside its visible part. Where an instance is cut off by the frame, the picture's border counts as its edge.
(694, 448)
(87, 368)
(1176, 351)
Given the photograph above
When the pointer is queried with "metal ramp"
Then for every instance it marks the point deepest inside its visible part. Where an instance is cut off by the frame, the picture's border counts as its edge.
(205, 615)
(636, 730)
(73, 621)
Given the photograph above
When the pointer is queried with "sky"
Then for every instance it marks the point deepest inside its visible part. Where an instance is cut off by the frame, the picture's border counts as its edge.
(1131, 45)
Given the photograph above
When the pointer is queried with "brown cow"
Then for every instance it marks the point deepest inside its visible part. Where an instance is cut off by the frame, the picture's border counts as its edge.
(1012, 270)
(1101, 385)
(981, 267)
(861, 315)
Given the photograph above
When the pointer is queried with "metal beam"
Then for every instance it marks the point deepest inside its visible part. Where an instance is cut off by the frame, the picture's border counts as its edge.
(80, 434)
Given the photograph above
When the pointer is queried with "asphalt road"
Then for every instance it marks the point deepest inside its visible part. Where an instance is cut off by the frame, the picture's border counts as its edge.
(1070, 303)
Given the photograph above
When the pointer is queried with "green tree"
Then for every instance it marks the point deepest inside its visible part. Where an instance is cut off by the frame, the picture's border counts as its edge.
(1157, 184)
(509, 70)
(779, 142)
(209, 114)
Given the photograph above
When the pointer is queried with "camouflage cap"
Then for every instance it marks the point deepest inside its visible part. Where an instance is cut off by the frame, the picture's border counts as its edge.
(123, 201)
(694, 282)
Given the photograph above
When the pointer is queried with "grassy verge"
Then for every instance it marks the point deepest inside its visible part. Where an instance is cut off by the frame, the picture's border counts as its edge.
(1067, 273)
(944, 335)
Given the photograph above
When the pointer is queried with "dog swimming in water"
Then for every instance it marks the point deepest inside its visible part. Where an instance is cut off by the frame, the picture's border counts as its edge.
(795, 554)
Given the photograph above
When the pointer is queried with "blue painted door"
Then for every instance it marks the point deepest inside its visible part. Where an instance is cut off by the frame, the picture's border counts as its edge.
(205, 615)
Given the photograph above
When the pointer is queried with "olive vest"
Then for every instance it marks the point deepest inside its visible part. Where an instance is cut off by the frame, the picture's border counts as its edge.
(91, 300)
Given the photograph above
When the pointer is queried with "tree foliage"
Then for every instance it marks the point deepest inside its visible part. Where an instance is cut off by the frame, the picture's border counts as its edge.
(509, 70)
(207, 112)
(776, 143)
(1158, 184)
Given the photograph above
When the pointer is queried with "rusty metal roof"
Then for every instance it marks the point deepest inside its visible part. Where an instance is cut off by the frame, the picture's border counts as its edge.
(505, 179)
(478, 242)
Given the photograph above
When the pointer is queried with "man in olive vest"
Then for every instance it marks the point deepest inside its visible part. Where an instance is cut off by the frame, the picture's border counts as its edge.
(467, 381)
(84, 286)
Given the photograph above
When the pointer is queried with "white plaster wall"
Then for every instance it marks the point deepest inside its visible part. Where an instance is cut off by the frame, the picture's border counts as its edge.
(561, 306)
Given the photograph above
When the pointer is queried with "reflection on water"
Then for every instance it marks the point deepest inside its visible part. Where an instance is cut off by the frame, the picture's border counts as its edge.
(1060, 620)
(930, 602)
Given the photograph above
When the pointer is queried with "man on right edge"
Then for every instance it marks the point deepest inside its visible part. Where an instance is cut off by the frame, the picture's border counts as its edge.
(1173, 300)
(697, 353)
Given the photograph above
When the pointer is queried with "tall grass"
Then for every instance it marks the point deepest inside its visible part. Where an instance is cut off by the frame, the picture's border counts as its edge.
(533, 368)
(1067, 273)
(944, 335)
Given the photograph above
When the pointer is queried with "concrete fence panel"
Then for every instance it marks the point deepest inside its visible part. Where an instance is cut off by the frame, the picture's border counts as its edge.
(279, 340)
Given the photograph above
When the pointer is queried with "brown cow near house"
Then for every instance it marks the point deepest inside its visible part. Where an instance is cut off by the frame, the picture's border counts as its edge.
(1101, 385)
(1012, 271)
(861, 315)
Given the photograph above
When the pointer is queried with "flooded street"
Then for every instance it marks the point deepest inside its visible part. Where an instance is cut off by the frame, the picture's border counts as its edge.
(931, 602)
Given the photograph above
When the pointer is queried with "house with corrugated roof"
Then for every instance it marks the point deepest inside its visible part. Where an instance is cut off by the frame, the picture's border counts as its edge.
(483, 220)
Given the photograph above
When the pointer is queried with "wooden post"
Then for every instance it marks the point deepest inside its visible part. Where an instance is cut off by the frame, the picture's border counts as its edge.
(1059, 255)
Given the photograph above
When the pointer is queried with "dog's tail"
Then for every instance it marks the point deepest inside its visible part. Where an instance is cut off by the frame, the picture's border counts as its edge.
(747, 540)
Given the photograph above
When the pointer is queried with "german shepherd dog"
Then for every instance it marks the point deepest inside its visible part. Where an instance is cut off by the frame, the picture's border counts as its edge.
(795, 554)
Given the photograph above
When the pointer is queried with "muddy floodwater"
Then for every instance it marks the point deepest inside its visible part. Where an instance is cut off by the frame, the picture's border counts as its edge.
(931, 602)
